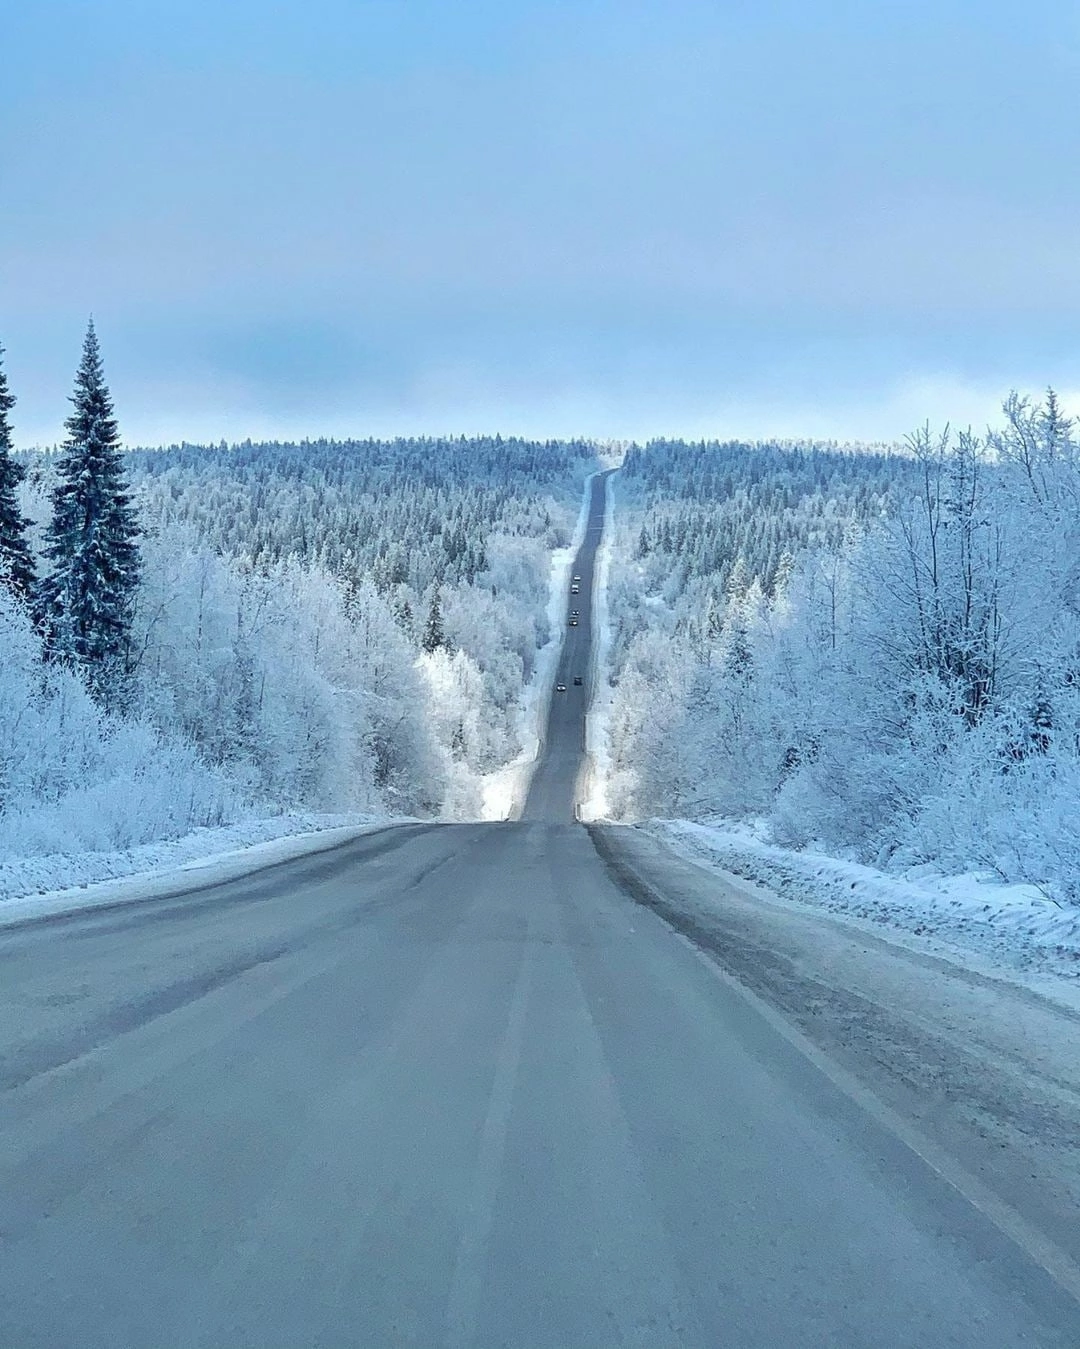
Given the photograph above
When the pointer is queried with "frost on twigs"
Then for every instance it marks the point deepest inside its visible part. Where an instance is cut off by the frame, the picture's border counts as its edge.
(878, 653)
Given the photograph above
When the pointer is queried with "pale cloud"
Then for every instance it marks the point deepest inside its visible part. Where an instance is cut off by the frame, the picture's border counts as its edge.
(607, 218)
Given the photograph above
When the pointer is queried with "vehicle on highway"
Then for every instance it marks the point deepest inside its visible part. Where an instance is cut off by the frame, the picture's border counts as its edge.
(573, 622)
(575, 590)
(577, 679)
(575, 613)
(560, 688)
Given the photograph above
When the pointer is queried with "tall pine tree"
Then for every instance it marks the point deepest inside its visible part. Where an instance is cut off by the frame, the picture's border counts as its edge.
(16, 560)
(87, 599)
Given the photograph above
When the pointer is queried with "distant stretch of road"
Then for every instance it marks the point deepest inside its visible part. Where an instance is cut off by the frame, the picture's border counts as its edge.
(455, 1085)
(551, 793)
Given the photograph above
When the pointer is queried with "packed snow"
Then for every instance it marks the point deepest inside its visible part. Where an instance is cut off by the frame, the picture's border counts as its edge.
(1013, 926)
(60, 882)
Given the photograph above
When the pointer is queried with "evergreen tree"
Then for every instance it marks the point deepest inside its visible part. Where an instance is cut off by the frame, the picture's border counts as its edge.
(403, 612)
(16, 561)
(785, 570)
(87, 599)
(434, 634)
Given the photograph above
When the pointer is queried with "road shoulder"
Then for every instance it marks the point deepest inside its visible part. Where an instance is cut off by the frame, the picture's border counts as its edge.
(194, 863)
(984, 1065)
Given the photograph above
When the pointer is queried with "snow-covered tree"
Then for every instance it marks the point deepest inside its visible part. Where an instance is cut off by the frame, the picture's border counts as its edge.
(475, 519)
(16, 560)
(907, 688)
(434, 633)
(86, 599)
(74, 778)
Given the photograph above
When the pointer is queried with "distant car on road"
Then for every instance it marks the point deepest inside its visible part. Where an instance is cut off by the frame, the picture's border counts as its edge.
(577, 679)
(577, 580)
(575, 613)
(573, 622)
(575, 590)
(560, 688)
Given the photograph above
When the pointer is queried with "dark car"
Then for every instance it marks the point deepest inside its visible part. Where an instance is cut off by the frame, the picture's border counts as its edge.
(573, 622)
(577, 679)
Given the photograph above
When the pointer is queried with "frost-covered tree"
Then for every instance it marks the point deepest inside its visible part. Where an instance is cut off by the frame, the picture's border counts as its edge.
(73, 777)
(16, 560)
(905, 690)
(434, 632)
(86, 600)
(475, 518)
(279, 617)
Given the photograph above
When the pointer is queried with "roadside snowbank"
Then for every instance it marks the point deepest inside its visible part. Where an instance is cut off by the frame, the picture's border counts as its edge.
(504, 790)
(1015, 926)
(37, 886)
(594, 800)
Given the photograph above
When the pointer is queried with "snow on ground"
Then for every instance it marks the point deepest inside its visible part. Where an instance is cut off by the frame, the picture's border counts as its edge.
(505, 790)
(1011, 926)
(594, 802)
(36, 886)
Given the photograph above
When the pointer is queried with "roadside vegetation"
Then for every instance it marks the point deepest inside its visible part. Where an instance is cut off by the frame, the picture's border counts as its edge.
(196, 636)
(874, 653)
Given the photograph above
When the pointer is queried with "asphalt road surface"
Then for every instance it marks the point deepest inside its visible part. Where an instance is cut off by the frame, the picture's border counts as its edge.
(552, 792)
(455, 1085)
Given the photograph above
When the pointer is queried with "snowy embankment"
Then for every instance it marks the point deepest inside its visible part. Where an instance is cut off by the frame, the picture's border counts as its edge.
(594, 802)
(505, 790)
(36, 886)
(1011, 926)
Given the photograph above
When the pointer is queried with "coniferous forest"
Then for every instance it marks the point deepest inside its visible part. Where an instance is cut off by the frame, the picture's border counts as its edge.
(872, 649)
(874, 652)
(193, 635)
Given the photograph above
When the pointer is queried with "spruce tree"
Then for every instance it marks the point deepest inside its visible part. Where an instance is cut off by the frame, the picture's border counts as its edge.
(86, 602)
(434, 635)
(16, 560)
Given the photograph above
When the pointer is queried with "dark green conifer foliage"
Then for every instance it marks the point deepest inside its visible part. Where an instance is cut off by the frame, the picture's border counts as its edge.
(16, 560)
(86, 601)
(434, 634)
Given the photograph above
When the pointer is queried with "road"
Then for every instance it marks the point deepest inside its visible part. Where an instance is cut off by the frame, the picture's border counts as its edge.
(456, 1085)
(552, 791)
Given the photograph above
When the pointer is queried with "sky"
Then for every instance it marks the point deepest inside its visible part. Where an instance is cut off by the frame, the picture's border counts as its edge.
(611, 218)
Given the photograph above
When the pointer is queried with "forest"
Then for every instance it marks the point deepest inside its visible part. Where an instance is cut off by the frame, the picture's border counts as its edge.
(872, 650)
(875, 652)
(210, 633)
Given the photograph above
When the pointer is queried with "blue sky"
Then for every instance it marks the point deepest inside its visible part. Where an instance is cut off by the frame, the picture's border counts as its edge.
(614, 219)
